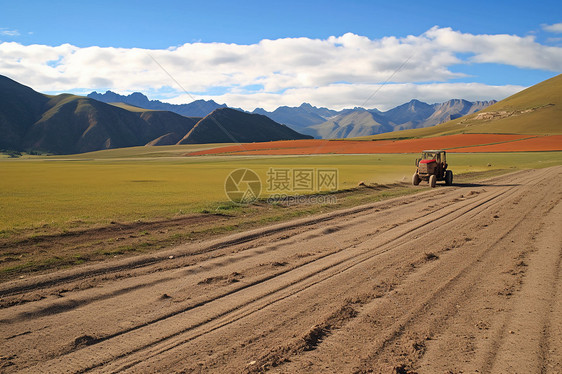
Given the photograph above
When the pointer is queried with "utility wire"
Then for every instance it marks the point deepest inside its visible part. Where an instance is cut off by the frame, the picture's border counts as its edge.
(387, 80)
(224, 130)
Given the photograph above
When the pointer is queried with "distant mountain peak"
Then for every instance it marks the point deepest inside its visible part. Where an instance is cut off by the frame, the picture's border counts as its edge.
(227, 125)
(138, 95)
(416, 103)
(197, 108)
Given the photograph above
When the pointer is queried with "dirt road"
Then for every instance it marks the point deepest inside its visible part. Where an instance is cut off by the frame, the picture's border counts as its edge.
(456, 279)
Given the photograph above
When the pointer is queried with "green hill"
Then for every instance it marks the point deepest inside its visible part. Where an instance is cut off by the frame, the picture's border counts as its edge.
(20, 107)
(227, 125)
(74, 124)
(129, 107)
(535, 110)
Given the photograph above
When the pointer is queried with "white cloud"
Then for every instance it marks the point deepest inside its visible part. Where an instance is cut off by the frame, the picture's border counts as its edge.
(336, 72)
(7, 32)
(556, 28)
(342, 96)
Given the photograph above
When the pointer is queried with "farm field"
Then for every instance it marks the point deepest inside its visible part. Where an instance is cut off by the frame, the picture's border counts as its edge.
(64, 213)
(68, 210)
(63, 193)
(452, 143)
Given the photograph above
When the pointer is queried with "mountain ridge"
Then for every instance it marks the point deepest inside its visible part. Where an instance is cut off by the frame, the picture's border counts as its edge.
(322, 122)
(67, 124)
(534, 110)
(233, 126)
(197, 108)
(411, 115)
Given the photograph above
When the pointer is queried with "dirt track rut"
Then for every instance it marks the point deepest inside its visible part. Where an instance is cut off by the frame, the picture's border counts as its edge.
(460, 278)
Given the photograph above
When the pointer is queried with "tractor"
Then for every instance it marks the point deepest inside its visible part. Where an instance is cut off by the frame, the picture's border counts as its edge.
(432, 167)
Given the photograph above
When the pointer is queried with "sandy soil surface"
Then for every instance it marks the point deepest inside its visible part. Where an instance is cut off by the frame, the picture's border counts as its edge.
(457, 279)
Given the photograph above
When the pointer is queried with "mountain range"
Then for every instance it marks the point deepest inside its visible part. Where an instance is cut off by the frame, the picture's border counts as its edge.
(328, 124)
(323, 122)
(65, 124)
(197, 108)
(535, 110)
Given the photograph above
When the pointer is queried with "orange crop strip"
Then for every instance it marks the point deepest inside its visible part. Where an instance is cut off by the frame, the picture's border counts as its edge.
(453, 143)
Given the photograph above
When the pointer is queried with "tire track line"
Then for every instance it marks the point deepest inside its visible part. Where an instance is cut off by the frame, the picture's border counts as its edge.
(422, 309)
(426, 305)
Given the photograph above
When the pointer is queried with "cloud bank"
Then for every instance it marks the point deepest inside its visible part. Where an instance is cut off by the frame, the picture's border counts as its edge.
(336, 72)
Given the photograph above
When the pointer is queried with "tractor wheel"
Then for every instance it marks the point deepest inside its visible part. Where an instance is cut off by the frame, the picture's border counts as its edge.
(416, 179)
(448, 177)
(432, 180)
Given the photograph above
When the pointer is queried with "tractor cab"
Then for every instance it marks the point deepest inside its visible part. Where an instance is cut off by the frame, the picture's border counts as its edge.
(436, 156)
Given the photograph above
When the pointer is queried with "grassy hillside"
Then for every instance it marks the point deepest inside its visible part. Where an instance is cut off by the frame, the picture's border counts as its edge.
(227, 125)
(172, 125)
(75, 124)
(535, 110)
(20, 107)
(169, 127)
(131, 108)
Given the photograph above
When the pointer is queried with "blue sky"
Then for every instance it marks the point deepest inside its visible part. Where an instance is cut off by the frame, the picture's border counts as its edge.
(160, 26)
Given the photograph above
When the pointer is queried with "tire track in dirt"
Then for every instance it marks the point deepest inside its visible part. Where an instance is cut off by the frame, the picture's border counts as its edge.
(419, 311)
(143, 325)
(160, 336)
(525, 348)
(289, 371)
(491, 349)
(349, 267)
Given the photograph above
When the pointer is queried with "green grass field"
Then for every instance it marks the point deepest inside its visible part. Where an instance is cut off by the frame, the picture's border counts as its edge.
(146, 183)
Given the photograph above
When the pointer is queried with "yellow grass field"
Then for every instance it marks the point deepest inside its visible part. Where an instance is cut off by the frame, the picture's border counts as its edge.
(127, 185)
